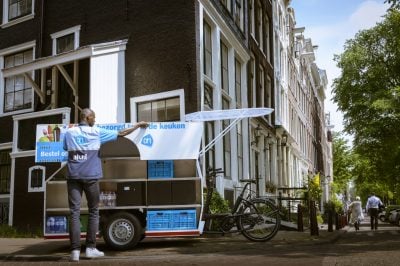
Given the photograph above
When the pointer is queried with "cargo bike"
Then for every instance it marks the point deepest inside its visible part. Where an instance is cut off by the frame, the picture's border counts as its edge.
(152, 186)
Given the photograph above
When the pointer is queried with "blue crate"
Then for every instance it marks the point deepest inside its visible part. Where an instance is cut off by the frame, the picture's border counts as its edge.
(183, 219)
(160, 168)
(158, 220)
(56, 225)
(164, 220)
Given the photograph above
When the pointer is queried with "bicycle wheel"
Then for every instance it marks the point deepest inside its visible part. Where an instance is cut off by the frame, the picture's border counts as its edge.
(259, 220)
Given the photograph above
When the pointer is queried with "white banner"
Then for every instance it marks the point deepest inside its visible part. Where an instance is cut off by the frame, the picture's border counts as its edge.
(168, 140)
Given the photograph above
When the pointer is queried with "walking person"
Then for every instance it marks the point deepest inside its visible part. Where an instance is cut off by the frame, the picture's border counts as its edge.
(84, 171)
(356, 215)
(372, 208)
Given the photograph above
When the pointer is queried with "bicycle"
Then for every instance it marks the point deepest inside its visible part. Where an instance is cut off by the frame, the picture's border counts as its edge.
(257, 219)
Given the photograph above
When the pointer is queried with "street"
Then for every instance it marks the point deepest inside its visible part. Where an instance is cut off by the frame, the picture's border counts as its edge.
(348, 247)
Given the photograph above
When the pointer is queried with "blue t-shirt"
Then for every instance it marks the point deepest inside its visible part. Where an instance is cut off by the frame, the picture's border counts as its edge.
(83, 144)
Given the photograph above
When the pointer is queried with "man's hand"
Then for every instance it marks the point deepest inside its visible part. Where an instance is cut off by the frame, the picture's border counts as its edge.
(142, 124)
(127, 131)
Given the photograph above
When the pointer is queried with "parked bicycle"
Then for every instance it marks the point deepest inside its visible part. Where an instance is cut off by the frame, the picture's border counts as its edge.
(257, 219)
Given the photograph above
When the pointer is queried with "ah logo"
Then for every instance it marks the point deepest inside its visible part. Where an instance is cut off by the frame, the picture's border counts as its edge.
(147, 140)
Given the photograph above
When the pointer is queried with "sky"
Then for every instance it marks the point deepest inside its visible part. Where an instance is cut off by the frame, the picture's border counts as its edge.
(329, 23)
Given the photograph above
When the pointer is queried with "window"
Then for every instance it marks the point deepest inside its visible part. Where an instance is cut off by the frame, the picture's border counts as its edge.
(159, 107)
(227, 142)
(65, 43)
(238, 82)
(252, 82)
(18, 93)
(227, 4)
(66, 40)
(209, 136)
(19, 8)
(239, 14)
(162, 110)
(224, 68)
(260, 88)
(267, 39)
(259, 26)
(36, 178)
(239, 131)
(207, 50)
(251, 17)
(268, 95)
(4, 210)
(5, 171)
(16, 11)
(208, 96)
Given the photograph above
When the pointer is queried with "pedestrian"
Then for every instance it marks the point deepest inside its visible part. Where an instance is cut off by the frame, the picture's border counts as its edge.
(356, 213)
(84, 171)
(372, 208)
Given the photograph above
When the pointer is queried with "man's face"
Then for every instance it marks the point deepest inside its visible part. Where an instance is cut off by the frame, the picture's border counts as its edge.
(91, 119)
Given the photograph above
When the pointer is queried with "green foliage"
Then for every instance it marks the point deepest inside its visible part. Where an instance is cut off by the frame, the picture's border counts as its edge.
(320, 220)
(334, 205)
(343, 163)
(368, 94)
(314, 190)
(394, 4)
(218, 204)
(11, 232)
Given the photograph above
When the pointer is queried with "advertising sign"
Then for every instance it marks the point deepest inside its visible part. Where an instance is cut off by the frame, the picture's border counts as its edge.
(168, 141)
(49, 143)
(160, 141)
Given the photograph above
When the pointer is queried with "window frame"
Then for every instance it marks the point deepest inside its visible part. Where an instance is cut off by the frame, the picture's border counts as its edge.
(135, 101)
(8, 23)
(31, 170)
(57, 35)
(8, 51)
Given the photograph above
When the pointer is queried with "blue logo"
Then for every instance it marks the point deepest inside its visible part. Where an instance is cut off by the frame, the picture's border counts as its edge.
(147, 140)
(80, 140)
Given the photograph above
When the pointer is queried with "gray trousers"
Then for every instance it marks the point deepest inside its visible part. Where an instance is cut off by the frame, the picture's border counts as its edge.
(92, 192)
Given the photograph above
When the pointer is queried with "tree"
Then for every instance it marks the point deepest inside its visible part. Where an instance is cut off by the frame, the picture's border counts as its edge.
(368, 93)
(394, 4)
(342, 163)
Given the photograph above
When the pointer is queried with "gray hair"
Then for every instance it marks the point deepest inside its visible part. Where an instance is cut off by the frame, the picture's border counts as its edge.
(85, 113)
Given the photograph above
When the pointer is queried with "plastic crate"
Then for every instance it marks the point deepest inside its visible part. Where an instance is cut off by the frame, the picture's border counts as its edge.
(56, 225)
(158, 220)
(164, 220)
(183, 219)
(160, 169)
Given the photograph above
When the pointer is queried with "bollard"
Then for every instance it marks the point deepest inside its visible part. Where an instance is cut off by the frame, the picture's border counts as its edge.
(313, 219)
(300, 226)
(330, 221)
(337, 221)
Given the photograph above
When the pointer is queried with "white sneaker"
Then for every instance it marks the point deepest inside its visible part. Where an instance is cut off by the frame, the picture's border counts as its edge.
(94, 253)
(75, 255)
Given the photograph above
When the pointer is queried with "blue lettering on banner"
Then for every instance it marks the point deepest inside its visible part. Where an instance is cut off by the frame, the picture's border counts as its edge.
(147, 140)
(172, 125)
(50, 152)
(117, 127)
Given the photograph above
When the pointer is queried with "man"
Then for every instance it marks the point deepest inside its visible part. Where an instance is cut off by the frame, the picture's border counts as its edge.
(372, 207)
(84, 170)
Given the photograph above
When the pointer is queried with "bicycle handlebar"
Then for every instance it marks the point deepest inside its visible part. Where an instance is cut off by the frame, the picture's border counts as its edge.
(214, 172)
(254, 181)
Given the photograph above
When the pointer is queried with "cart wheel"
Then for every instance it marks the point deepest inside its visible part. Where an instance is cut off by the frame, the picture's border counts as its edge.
(123, 231)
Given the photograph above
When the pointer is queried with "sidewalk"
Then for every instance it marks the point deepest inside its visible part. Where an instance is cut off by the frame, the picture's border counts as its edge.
(29, 249)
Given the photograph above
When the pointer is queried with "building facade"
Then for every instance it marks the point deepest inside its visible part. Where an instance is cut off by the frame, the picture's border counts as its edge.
(133, 60)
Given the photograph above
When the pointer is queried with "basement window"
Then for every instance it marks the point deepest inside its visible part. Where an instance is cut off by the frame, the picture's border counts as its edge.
(37, 175)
